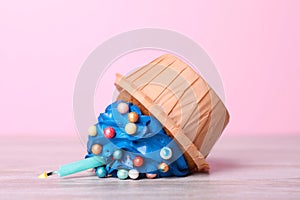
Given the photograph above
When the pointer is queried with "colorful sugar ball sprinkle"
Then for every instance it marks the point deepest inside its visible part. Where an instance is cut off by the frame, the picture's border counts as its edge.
(166, 153)
(122, 174)
(163, 167)
(123, 108)
(96, 149)
(92, 130)
(133, 174)
(130, 128)
(109, 132)
(133, 117)
(101, 172)
(151, 176)
(138, 161)
(117, 155)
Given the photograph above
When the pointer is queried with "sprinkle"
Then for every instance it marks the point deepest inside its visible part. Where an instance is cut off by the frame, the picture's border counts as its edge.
(133, 174)
(138, 161)
(133, 117)
(166, 153)
(92, 130)
(130, 128)
(122, 174)
(117, 155)
(96, 149)
(123, 108)
(109, 132)
(163, 167)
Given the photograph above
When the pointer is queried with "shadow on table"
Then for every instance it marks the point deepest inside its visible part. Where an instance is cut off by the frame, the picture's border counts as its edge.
(217, 165)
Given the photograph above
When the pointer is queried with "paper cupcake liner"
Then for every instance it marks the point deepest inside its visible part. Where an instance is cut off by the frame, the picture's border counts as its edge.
(187, 107)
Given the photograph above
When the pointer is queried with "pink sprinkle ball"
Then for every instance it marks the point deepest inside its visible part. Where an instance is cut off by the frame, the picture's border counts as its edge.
(151, 176)
(138, 161)
(109, 132)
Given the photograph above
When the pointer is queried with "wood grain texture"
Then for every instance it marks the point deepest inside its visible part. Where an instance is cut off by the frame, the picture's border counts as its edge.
(241, 168)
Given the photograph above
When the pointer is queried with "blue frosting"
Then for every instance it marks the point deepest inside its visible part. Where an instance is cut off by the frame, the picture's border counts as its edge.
(147, 142)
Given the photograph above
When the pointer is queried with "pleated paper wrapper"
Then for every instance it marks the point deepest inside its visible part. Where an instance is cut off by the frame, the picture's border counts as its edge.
(187, 107)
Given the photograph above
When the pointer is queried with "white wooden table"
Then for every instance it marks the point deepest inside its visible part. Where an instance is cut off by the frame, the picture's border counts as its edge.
(243, 167)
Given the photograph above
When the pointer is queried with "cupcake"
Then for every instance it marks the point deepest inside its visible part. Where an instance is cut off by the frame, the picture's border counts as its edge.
(164, 123)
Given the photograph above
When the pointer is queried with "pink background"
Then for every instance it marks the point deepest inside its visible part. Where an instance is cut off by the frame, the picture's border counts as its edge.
(255, 46)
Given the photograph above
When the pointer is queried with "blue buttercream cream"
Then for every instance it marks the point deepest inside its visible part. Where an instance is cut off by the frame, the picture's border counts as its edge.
(147, 142)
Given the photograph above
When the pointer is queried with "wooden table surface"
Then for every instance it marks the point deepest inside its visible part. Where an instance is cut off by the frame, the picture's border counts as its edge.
(243, 167)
